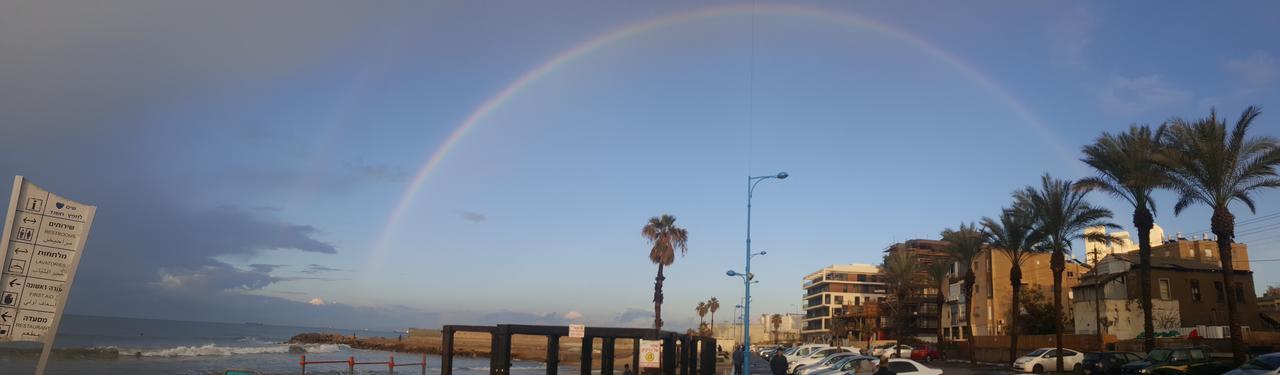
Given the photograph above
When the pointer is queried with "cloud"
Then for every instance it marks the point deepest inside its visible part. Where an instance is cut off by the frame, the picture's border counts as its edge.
(573, 315)
(633, 317)
(264, 268)
(212, 278)
(316, 268)
(1071, 35)
(1129, 96)
(1255, 72)
(474, 217)
(316, 301)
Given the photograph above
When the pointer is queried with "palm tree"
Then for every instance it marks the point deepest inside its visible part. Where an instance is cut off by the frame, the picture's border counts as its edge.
(1211, 167)
(776, 321)
(963, 245)
(1126, 168)
(939, 273)
(1061, 215)
(1014, 236)
(666, 238)
(713, 305)
(702, 313)
(900, 271)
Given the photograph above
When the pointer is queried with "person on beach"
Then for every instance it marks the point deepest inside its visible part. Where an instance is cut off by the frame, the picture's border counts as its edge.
(778, 364)
(626, 370)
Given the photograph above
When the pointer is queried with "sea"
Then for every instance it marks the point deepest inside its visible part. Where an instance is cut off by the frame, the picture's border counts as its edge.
(150, 346)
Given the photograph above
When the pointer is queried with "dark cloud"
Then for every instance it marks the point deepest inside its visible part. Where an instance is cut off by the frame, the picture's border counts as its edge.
(264, 268)
(474, 217)
(634, 317)
(316, 268)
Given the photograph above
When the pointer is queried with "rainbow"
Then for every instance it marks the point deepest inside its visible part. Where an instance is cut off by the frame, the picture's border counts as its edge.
(437, 156)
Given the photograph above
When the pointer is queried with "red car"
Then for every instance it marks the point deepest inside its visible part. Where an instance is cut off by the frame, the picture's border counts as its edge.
(926, 353)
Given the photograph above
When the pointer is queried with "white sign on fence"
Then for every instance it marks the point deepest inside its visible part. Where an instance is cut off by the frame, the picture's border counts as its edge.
(43, 238)
(577, 330)
(650, 353)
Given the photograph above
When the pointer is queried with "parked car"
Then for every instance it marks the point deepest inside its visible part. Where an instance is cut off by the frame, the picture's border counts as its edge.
(904, 366)
(879, 349)
(1193, 361)
(803, 351)
(892, 351)
(814, 357)
(1106, 363)
(1039, 360)
(926, 353)
(1266, 364)
(822, 364)
(847, 365)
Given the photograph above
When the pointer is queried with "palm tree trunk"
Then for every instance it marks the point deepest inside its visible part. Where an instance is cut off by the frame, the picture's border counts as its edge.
(968, 312)
(657, 300)
(1223, 225)
(1143, 220)
(713, 323)
(941, 301)
(1015, 281)
(1058, 264)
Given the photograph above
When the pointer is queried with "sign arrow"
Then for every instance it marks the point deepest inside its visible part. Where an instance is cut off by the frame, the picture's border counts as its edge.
(4, 317)
(28, 220)
(13, 283)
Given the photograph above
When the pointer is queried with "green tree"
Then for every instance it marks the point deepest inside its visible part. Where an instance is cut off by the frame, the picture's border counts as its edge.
(939, 275)
(702, 312)
(1210, 166)
(713, 305)
(900, 271)
(1036, 315)
(1061, 215)
(963, 245)
(1015, 237)
(1126, 168)
(666, 239)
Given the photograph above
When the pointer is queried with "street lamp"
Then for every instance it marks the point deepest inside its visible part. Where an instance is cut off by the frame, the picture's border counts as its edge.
(752, 181)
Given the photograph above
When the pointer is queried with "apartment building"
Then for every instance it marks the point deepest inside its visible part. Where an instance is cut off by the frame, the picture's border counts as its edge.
(1186, 288)
(922, 304)
(828, 291)
(993, 293)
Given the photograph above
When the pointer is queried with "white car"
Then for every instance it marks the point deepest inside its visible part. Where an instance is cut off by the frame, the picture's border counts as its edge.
(904, 366)
(803, 366)
(850, 365)
(1046, 359)
(892, 351)
(803, 351)
(814, 357)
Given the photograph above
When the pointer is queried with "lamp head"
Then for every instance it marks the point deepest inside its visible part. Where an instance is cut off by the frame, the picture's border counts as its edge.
(731, 273)
(762, 252)
(782, 175)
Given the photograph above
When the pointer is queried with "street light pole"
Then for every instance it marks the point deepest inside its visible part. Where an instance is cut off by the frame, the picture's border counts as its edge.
(746, 279)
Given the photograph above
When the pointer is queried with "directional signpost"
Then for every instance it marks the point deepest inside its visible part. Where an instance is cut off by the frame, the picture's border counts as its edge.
(43, 238)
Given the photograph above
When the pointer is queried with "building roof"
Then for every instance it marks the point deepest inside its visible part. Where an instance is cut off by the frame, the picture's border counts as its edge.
(1173, 263)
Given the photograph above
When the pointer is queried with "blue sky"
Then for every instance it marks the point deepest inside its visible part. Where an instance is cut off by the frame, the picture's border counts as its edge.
(246, 158)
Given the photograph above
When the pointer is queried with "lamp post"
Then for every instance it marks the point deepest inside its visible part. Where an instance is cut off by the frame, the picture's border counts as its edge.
(747, 276)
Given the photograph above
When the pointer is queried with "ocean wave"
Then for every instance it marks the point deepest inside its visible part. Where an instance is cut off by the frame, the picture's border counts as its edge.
(215, 350)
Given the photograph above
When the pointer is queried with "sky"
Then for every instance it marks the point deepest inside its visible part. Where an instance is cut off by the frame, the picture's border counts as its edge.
(412, 164)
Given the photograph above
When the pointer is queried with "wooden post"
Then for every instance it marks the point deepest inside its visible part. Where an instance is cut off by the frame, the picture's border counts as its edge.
(446, 350)
(606, 356)
(635, 355)
(669, 355)
(553, 354)
(586, 355)
(500, 351)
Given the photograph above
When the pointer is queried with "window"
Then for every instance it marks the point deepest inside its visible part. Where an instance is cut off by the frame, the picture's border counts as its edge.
(1071, 274)
(1208, 253)
(1222, 296)
(1164, 288)
(1239, 292)
(862, 277)
(839, 300)
(857, 301)
(1195, 290)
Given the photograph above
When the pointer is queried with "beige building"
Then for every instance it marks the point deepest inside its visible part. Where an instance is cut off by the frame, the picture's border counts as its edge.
(827, 291)
(992, 292)
(1095, 250)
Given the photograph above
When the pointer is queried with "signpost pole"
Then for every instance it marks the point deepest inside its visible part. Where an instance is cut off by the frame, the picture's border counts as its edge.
(62, 301)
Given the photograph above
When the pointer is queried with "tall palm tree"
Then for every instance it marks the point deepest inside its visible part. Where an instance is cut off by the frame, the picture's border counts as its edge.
(964, 245)
(1126, 168)
(1212, 167)
(666, 239)
(713, 305)
(702, 313)
(900, 271)
(1061, 215)
(1013, 235)
(939, 274)
(776, 321)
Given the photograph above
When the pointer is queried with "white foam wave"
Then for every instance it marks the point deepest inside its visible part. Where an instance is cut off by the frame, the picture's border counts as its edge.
(215, 350)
